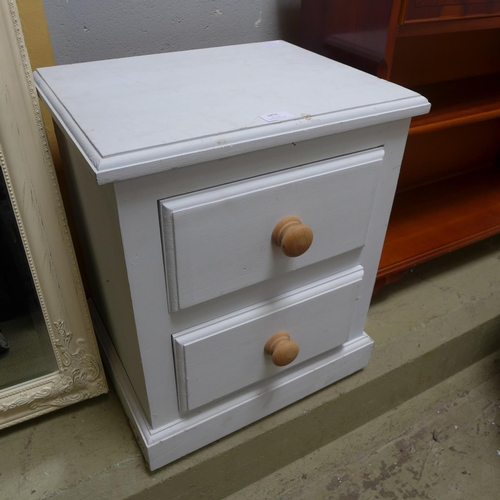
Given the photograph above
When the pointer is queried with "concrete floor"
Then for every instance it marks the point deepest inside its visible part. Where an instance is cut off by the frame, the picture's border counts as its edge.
(435, 333)
(449, 449)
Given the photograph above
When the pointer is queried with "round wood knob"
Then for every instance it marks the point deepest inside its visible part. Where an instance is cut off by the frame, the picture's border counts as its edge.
(292, 236)
(281, 348)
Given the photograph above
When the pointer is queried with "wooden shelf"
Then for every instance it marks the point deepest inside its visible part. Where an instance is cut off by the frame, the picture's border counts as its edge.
(448, 191)
(439, 26)
(431, 220)
(444, 57)
(458, 102)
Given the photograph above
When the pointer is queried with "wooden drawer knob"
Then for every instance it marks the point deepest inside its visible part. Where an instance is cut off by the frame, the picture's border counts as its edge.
(281, 348)
(292, 236)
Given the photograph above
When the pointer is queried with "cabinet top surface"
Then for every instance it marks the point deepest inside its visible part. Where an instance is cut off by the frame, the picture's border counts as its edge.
(134, 116)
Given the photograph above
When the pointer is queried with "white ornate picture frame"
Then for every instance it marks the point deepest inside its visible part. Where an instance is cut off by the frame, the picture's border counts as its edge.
(30, 178)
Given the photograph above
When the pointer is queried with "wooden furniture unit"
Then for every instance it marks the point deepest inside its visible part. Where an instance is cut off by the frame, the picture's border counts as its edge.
(232, 209)
(448, 194)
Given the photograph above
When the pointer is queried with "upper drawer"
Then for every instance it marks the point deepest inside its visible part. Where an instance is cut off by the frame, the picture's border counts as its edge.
(218, 240)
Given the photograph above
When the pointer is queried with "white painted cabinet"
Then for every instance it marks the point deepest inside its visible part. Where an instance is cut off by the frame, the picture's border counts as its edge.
(182, 169)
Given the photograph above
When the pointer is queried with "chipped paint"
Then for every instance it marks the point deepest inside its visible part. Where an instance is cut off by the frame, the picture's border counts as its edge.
(257, 23)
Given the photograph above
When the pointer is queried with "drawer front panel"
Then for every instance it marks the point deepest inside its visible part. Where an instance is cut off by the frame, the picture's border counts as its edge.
(215, 360)
(219, 240)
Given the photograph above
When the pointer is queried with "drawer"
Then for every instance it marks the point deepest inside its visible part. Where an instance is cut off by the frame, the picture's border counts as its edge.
(217, 359)
(218, 240)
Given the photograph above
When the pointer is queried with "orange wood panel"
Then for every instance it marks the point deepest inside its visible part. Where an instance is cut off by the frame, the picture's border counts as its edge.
(417, 10)
(449, 152)
(441, 217)
(449, 51)
(353, 32)
(444, 57)
(458, 102)
(448, 26)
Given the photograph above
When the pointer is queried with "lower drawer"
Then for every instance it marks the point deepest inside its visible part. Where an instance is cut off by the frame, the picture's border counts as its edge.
(216, 359)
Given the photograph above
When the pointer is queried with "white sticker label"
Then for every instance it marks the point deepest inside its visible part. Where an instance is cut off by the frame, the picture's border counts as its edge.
(277, 116)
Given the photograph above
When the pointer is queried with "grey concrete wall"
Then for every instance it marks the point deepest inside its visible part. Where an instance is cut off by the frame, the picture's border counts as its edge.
(86, 30)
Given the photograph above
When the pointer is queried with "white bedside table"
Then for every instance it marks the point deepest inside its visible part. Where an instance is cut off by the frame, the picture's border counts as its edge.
(181, 166)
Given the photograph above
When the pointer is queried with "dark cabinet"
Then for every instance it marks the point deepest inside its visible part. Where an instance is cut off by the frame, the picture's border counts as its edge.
(449, 51)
